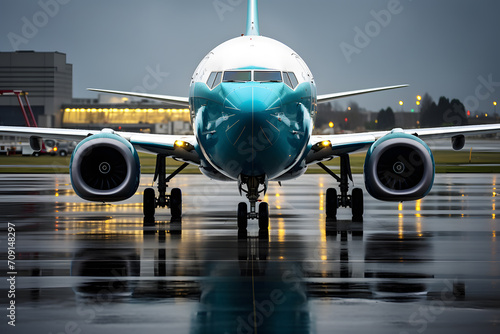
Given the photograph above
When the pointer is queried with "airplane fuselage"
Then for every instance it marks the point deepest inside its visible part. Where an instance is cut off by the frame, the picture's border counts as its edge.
(253, 103)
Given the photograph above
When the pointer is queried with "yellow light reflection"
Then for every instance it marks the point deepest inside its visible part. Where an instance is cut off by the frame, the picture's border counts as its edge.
(321, 201)
(400, 227)
(281, 230)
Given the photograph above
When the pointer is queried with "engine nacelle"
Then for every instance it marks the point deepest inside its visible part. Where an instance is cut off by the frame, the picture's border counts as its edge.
(105, 167)
(399, 167)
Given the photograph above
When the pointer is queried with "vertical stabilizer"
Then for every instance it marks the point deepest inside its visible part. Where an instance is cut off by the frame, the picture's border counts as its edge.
(252, 19)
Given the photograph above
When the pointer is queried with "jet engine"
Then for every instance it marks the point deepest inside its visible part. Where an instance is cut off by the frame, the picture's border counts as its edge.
(399, 167)
(105, 167)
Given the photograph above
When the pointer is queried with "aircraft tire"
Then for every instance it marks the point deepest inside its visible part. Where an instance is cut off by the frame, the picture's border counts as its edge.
(176, 203)
(242, 216)
(263, 216)
(331, 203)
(357, 205)
(149, 203)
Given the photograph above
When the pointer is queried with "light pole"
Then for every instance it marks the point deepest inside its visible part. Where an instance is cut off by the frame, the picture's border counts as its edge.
(495, 109)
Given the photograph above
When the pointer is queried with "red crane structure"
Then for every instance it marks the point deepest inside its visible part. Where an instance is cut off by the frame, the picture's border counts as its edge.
(30, 121)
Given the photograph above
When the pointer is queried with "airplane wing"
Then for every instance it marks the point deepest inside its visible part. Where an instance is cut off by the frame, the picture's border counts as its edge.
(324, 147)
(181, 101)
(334, 96)
(169, 145)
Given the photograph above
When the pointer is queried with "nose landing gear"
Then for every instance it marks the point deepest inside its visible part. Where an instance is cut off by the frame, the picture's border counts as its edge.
(252, 185)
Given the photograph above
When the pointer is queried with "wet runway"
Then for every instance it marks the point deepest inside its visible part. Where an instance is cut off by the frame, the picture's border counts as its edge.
(430, 266)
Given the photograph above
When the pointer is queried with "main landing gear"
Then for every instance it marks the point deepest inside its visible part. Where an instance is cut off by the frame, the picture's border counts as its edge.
(172, 201)
(252, 184)
(334, 201)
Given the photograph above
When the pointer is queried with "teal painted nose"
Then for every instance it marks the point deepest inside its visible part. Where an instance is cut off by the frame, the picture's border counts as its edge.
(253, 109)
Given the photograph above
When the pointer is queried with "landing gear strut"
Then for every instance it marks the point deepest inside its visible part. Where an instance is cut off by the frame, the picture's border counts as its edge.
(334, 201)
(252, 184)
(172, 201)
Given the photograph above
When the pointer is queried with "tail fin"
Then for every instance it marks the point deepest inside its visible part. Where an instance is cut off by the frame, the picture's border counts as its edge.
(252, 19)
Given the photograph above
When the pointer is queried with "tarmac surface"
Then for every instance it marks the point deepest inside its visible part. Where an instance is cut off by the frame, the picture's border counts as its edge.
(430, 266)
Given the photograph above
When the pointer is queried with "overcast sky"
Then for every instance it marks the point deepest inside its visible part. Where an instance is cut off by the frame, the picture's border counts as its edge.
(443, 47)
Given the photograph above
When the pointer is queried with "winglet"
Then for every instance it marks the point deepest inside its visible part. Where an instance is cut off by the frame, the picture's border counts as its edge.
(252, 19)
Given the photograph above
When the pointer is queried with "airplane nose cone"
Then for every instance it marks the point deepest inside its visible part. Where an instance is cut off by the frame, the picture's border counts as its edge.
(252, 111)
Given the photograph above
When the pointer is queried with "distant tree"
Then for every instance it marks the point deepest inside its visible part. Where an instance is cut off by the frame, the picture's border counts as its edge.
(427, 107)
(386, 119)
(456, 115)
(445, 113)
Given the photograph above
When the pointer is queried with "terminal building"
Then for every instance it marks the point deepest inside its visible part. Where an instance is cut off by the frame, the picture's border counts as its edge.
(45, 76)
(130, 116)
(48, 80)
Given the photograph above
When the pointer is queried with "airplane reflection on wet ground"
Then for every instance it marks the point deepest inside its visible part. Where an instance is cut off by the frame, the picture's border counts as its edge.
(427, 266)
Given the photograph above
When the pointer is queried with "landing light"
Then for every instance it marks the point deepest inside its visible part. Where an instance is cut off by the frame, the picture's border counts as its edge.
(182, 144)
(321, 145)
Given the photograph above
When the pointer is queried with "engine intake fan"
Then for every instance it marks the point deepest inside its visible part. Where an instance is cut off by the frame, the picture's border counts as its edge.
(399, 167)
(105, 167)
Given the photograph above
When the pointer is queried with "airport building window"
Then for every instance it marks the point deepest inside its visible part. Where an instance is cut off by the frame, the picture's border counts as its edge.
(123, 116)
(267, 76)
(237, 76)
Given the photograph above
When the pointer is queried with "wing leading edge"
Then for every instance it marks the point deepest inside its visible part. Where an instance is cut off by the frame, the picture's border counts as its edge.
(180, 101)
(169, 145)
(329, 97)
(337, 145)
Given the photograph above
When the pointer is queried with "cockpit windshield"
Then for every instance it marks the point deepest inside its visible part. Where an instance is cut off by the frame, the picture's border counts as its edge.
(267, 76)
(237, 76)
(253, 75)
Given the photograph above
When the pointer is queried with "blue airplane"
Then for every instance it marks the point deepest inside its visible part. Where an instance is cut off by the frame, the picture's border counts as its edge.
(253, 102)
